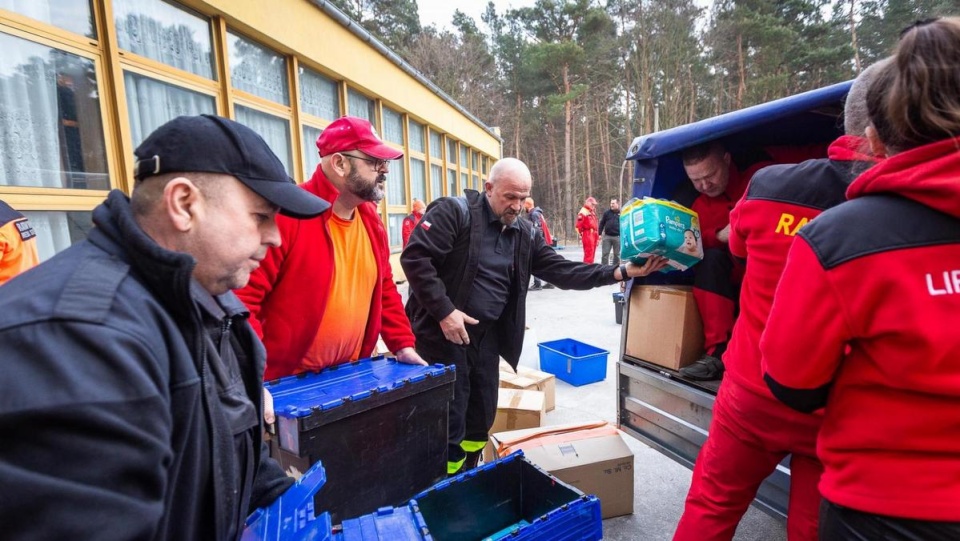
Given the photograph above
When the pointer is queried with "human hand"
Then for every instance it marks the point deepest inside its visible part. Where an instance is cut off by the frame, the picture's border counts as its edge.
(724, 234)
(409, 356)
(268, 414)
(454, 327)
(652, 264)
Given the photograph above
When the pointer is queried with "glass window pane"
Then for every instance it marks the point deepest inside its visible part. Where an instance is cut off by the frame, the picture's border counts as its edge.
(436, 181)
(319, 96)
(51, 132)
(361, 106)
(464, 181)
(311, 156)
(452, 183)
(392, 126)
(396, 184)
(257, 70)
(476, 182)
(151, 103)
(464, 160)
(417, 141)
(476, 161)
(395, 228)
(483, 165)
(57, 230)
(70, 15)
(436, 145)
(172, 35)
(418, 179)
(274, 130)
(451, 151)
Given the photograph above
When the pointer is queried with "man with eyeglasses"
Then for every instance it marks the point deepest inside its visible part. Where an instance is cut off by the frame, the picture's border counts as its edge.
(326, 295)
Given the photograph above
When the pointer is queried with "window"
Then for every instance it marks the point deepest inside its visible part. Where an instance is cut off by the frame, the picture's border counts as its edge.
(436, 181)
(311, 157)
(476, 161)
(452, 182)
(418, 179)
(361, 106)
(436, 145)
(483, 166)
(451, 151)
(258, 70)
(51, 131)
(396, 184)
(71, 15)
(319, 96)
(274, 130)
(151, 103)
(395, 228)
(160, 31)
(392, 126)
(464, 181)
(57, 230)
(464, 161)
(476, 182)
(417, 142)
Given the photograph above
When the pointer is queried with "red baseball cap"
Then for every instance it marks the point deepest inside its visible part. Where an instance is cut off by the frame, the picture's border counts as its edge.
(352, 133)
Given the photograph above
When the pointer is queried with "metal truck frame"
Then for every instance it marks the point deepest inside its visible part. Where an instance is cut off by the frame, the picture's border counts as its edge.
(655, 404)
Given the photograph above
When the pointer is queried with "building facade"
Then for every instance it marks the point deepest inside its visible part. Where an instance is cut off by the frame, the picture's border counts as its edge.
(82, 82)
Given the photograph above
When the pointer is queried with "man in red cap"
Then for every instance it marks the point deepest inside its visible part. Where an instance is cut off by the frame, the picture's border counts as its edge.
(588, 229)
(325, 295)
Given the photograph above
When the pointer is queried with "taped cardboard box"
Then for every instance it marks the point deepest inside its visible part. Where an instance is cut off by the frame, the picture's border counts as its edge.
(531, 380)
(592, 457)
(664, 326)
(518, 409)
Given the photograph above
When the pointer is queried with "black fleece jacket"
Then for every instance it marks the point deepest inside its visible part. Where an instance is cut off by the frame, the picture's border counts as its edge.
(112, 427)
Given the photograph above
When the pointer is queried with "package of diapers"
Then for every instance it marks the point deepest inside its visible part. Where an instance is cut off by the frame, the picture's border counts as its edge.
(651, 226)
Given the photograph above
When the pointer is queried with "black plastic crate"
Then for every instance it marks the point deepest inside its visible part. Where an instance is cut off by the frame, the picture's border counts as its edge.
(380, 428)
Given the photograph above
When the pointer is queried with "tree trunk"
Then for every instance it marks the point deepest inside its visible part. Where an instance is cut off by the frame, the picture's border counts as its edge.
(566, 192)
(853, 35)
(742, 87)
(586, 147)
(517, 117)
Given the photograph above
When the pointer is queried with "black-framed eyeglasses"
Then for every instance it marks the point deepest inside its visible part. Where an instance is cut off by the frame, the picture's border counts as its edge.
(377, 163)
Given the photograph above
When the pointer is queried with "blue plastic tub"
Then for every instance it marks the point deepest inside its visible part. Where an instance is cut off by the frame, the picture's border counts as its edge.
(574, 362)
(379, 426)
(510, 499)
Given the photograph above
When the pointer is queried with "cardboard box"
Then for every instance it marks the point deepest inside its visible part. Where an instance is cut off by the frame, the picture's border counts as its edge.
(664, 326)
(518, 409)
(592, 457)
(651, 226)
(529, 379)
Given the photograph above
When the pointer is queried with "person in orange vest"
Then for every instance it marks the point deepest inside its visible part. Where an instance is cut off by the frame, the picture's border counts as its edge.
(588, 228)
(18, 243)
(412, 220)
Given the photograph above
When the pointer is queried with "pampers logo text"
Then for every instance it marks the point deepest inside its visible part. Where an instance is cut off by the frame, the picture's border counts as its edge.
(674, 222)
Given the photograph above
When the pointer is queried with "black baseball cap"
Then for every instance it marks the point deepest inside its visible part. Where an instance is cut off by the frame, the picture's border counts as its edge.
(213, 144)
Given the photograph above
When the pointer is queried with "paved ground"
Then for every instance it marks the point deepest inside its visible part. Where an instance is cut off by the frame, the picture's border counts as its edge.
(661, 484)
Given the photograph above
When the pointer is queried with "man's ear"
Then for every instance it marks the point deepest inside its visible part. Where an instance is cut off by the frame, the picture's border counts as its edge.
(877, 148)
(183, 203)
(726, 158)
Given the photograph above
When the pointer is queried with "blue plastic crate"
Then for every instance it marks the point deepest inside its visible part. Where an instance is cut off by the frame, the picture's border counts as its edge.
(388, 523)
(379, 426)
(292, 517)
(574, 362)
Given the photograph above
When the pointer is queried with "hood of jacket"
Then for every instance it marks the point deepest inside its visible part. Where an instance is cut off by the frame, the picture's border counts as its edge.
(929, 175)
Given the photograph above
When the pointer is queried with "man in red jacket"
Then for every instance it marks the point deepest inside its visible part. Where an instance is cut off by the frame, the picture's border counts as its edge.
(325, 295)
(412, 220)
(751, 431)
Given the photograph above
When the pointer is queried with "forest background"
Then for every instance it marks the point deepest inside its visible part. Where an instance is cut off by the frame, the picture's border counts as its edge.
(570, 83)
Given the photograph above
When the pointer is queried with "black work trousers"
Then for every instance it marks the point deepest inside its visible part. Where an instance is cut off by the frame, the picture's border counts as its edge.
(839, 523)
(475, 393)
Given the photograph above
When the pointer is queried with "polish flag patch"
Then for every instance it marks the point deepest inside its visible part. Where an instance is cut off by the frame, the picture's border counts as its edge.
(425, 225)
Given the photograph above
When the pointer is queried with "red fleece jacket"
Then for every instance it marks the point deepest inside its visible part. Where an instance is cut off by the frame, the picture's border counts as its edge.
(287, 295)
(866, 319)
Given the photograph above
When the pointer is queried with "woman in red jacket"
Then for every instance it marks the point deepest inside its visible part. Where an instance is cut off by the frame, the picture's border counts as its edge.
(865, 317)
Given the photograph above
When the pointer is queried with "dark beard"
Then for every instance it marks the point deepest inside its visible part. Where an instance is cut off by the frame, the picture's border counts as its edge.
(368, 192)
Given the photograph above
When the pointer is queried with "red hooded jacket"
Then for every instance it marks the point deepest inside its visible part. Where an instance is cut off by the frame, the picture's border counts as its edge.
(287, 295)
(778, 202)
(865, 321)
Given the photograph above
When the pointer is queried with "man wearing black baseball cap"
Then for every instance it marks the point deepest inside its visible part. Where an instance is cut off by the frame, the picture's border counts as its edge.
(132, 380)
